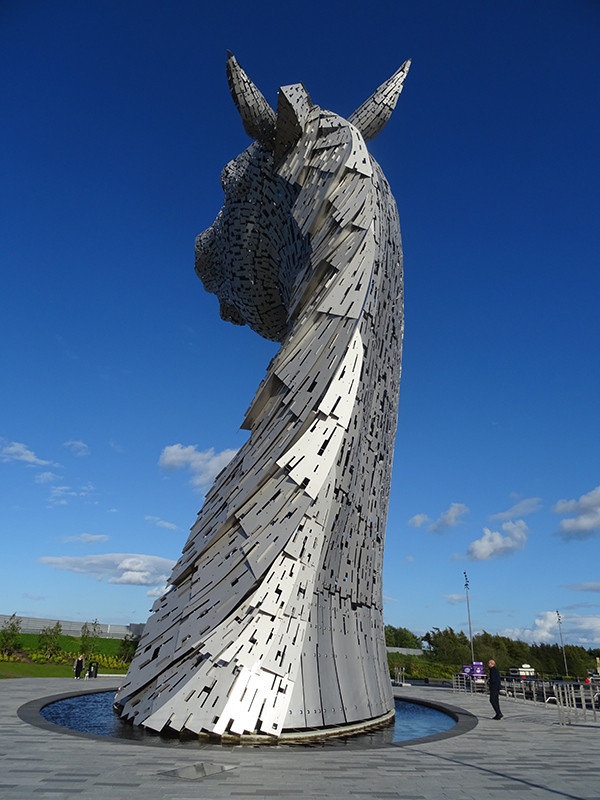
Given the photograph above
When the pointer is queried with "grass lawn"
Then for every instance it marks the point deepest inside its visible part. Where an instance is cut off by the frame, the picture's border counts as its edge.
(18, 669)
(70, 644)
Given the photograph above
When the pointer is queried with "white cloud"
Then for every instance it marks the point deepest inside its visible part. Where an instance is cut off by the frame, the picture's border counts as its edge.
(45, 477)
(494, 545)
(576, 629)
(204, 465)
(409, 558)
(545, 629)
(16, 451)
(161, 523)
(87, 538)
(454, 599)
(115, 446)
(127, 568)
(77, 447)
(584, 587)
(523, 507)
(418, 520)
(450, 518)
(58, 495)
(112, 510)
(586, 522)
(158, 591)
(389, 599)
(36, 597)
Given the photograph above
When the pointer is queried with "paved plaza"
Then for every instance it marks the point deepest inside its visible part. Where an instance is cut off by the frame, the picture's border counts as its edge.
(525, 755)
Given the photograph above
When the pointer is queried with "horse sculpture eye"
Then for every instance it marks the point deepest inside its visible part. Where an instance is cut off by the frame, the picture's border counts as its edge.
(241, 189)
(275, 622)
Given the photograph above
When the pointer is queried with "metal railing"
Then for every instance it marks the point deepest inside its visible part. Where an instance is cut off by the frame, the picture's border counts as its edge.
(577, 701)
(399, 673)
(573, 700)
(467, 683)
(534, 690)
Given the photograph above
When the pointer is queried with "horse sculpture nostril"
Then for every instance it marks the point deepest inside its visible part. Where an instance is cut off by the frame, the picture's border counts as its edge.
(240, 257)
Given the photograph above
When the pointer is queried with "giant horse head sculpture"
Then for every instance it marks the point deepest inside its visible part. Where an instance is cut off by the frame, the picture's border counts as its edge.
(274, 620)
(252, 254)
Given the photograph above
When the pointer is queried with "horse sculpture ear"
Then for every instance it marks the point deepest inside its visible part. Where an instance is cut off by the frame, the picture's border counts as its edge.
(257, 115)
(293, 107)
(372, 116)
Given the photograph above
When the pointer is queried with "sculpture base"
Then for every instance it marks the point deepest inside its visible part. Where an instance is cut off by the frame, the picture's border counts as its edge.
(306, 735)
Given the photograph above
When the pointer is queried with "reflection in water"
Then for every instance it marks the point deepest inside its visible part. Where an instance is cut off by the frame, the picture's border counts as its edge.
(93, 713)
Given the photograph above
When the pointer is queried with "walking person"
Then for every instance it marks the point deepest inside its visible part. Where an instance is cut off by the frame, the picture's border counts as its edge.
(495, 688)
(78, 666)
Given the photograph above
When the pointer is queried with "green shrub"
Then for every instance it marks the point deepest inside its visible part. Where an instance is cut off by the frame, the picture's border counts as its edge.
(70, 645)
(49, 640)
(88, 641)
(420, 667)
(128, 647)
(5, 657)
(10, 636)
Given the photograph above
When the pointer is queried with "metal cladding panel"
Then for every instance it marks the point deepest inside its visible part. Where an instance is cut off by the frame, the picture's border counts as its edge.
(274, 620)
(305, 705)
(370, 662)
(331, 699)
(296, 718)
(354, 693)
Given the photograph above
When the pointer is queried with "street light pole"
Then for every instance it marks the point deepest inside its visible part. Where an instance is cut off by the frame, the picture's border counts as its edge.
(469, 614)
(562, 644)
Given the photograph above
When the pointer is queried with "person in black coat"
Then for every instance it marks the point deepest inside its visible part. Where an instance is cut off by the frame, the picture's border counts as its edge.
(495, 688)
(78, 666)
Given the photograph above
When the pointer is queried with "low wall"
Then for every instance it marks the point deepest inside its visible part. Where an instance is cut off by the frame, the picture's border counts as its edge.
(70, 628)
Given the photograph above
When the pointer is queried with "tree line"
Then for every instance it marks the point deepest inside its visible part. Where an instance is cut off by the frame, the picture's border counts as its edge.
(453, 649)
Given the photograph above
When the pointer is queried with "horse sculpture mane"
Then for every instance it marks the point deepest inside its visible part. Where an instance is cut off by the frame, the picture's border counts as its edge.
(274, 620)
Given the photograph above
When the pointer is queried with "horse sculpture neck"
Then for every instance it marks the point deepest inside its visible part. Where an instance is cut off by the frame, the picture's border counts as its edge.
(275, 620)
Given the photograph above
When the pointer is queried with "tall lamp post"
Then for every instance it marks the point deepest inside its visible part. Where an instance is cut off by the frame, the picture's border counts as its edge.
(562, 644)
(469, 615)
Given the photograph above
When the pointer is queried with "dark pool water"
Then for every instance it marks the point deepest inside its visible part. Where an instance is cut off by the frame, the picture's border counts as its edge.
(93, 713)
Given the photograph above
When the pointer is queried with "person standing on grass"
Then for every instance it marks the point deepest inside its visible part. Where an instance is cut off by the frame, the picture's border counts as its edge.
(78, 666)
(495, 688)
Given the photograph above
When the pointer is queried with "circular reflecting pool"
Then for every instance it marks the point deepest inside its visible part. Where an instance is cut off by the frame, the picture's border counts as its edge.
(93, 713)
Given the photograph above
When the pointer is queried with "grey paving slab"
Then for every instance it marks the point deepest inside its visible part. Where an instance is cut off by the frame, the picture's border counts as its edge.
(527, 754)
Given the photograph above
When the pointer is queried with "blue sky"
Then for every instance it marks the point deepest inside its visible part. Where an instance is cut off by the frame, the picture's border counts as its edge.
(123, 391)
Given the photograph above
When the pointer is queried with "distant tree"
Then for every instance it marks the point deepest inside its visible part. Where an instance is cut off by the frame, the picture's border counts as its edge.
(518, 652)
(594, 652)
(579, 661)
(128, 646)
(547, 659)
(10, 636)
(402, 637)
(49, 640)
(448, 647)
(88, 639)
(486, 646)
